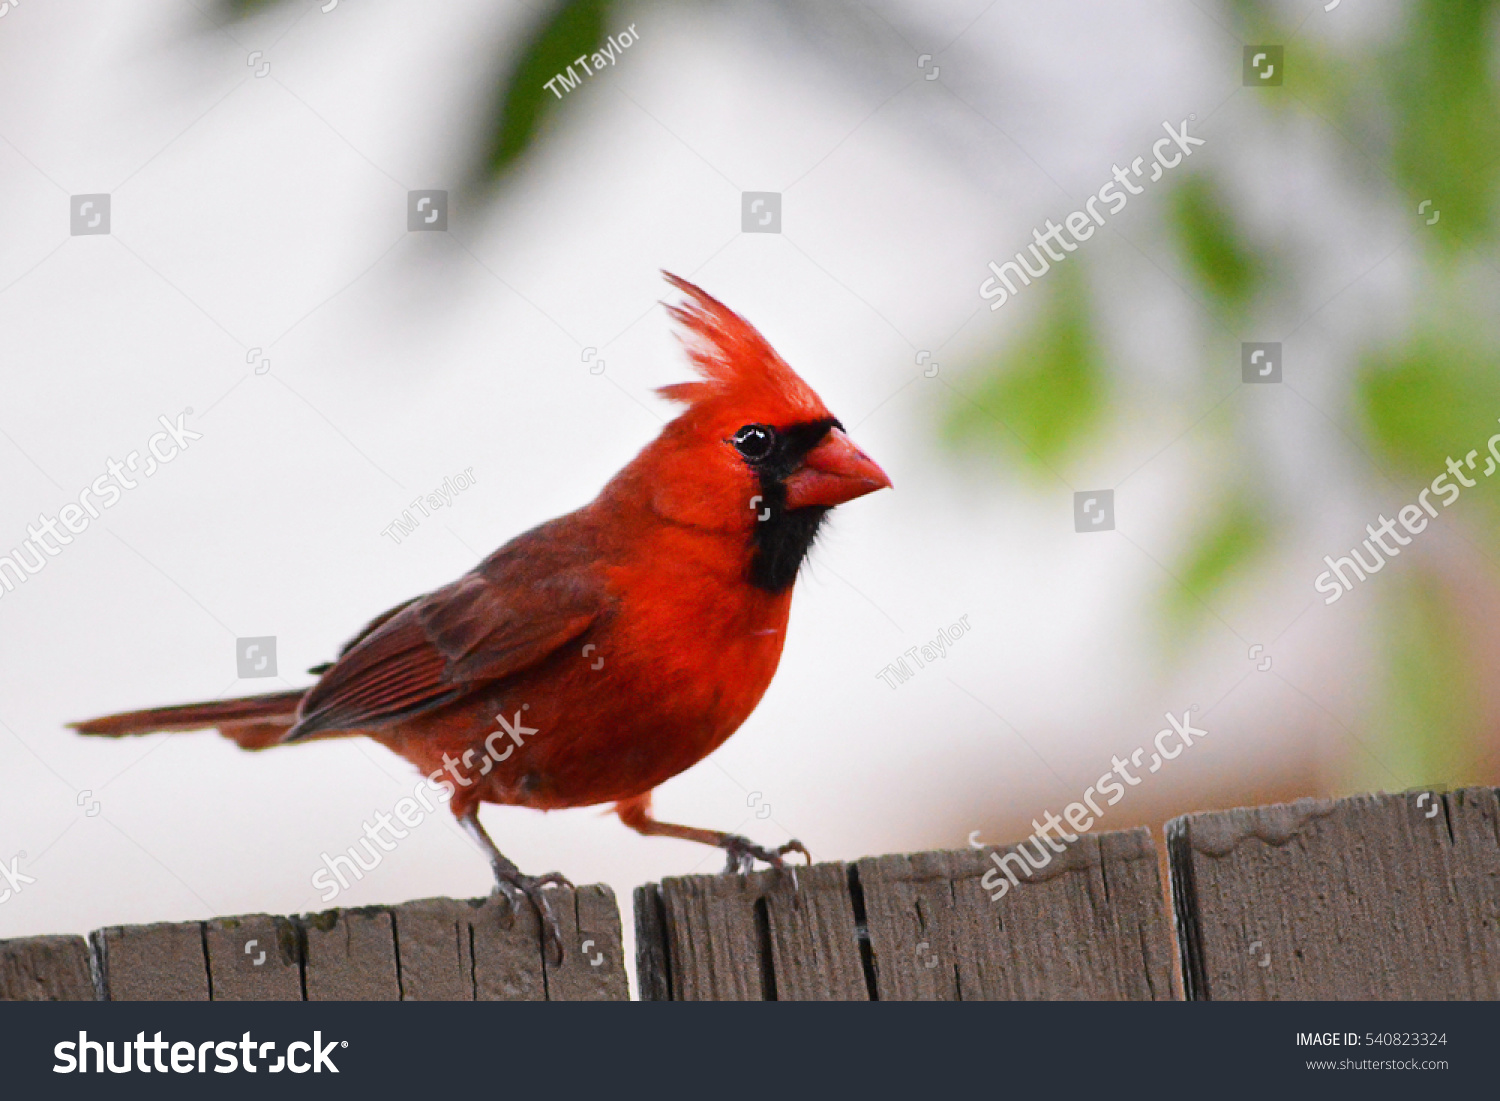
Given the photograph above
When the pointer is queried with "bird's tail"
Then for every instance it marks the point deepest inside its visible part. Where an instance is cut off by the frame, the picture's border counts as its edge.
(252, 722)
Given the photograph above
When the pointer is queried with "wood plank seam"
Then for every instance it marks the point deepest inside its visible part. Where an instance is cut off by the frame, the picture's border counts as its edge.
(862, 933)
(1185, 910)
(208, 971)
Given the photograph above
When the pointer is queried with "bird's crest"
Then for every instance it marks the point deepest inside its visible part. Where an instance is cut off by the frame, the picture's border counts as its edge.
(736, 363)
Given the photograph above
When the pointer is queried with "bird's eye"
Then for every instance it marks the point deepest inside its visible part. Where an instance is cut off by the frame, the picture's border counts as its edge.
(754, 442)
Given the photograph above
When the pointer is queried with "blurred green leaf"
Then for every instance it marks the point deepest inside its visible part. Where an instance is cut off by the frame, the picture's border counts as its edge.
(1447, 114)
(1043, 397)
(1318, 77)
(1436, 395)
(1213, 244)
(576, 27)
(1220, 552)
(243, 9)
(1428, 727)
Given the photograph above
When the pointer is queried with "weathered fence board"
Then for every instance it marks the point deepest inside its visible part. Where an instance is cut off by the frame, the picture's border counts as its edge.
(432, 949)
(1090, 923)
(1376, 897)
(507, 954)
(45, 969)
(478, 951)
(593, 969)
(254, 958)
(350, 956)
(432, 936)
(786, 935)
(152, 963)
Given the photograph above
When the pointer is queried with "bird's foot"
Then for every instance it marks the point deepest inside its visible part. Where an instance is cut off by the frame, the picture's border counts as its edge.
(742, 853)
(514, 886)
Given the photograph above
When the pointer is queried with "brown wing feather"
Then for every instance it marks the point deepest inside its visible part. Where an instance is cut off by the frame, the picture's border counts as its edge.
(527, 600)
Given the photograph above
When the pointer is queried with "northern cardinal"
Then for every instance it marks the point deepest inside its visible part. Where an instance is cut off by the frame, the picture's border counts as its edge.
(617, 645)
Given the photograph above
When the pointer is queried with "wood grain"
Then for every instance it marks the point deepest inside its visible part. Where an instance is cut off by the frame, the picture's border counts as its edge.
(1382, 896)
(593, 963)
(434, 954)
(1375, 897)
(45, 969)
(463, 951)
(254, 958)
(1091, 923)
(507, 953)
(152, 963)
(768, 936)
(351, 956)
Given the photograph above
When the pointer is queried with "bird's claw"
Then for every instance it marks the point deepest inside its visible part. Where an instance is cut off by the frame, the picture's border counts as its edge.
(514, 886)
(741, 854)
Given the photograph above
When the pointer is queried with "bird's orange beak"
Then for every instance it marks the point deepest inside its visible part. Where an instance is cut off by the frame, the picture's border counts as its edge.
(834, 472)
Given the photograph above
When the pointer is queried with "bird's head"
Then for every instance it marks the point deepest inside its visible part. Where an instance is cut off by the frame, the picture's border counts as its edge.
(756, 451)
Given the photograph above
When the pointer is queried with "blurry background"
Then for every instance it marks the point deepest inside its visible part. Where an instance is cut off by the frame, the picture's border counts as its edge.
(259, 271)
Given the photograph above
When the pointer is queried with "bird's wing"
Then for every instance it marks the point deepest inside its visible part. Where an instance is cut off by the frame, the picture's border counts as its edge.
(529, 599)
(368, 629)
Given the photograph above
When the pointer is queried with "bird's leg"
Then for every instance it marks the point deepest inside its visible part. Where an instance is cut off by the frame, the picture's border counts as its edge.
(512, 883)
(742, 853)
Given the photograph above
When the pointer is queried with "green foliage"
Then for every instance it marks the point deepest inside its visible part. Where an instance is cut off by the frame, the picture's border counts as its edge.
(1221, 551)
(577, 27)
(1436, 395)
(1043, 397)
(1213, 245)
(1428, 727)
(244, 9)
(1227, 269)
(1447, 114)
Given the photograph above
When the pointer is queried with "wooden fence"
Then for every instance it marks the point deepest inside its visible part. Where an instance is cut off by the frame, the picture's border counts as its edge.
(432, 950)
(1386, 896)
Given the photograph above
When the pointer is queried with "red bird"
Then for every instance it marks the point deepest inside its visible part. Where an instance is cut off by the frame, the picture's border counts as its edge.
(615, 646)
